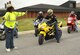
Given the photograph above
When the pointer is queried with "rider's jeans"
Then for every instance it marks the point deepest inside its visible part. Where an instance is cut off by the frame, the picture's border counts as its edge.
(76, 26)
(56, 33)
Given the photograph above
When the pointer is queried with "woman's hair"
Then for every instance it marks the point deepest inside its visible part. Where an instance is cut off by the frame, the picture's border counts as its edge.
(10, 9)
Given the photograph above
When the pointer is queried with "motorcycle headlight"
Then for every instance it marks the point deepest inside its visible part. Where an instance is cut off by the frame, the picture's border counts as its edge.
(69, 21)
(42, 27)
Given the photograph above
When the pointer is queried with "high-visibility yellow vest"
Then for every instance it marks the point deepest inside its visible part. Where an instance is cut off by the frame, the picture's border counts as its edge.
(10, 18)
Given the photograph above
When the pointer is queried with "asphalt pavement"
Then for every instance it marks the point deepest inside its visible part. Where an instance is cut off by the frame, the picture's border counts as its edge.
(27, 44)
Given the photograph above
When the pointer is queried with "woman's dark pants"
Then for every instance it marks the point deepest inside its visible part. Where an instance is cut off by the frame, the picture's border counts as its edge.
(9, 37)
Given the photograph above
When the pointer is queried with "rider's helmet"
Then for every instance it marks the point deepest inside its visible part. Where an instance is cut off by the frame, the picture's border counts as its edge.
(72, 12)
(40, 13)
(50, 11)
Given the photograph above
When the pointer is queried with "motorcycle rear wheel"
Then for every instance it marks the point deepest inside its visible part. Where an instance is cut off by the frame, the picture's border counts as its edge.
(2, 37)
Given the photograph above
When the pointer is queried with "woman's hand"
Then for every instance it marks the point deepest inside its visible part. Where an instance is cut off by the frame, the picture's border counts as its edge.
(2, 18)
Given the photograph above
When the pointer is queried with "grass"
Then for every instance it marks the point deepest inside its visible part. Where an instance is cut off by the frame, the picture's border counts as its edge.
(24, 24)
(27, 23)
(64, 23)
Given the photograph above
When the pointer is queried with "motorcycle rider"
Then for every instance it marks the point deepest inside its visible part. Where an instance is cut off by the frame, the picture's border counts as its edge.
(74, 19)
(50, 16)
(40, 18)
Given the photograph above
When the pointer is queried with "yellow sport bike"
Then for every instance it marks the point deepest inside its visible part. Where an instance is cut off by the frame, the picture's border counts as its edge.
(47, 31)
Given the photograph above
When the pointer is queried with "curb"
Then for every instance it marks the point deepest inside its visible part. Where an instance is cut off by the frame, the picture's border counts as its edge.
(32, 31)
(26, 32)
(64, 27)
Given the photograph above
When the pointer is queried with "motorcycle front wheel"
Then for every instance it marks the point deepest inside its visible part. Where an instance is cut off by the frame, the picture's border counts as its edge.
(41, 39)
(69, 30)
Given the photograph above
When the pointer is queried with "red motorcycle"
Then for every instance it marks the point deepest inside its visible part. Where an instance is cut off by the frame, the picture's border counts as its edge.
(71, 24)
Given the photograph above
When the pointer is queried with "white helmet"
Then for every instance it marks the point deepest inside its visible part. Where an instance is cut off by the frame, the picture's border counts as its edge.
(72, 12)
(8, 4)
(50, 11)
